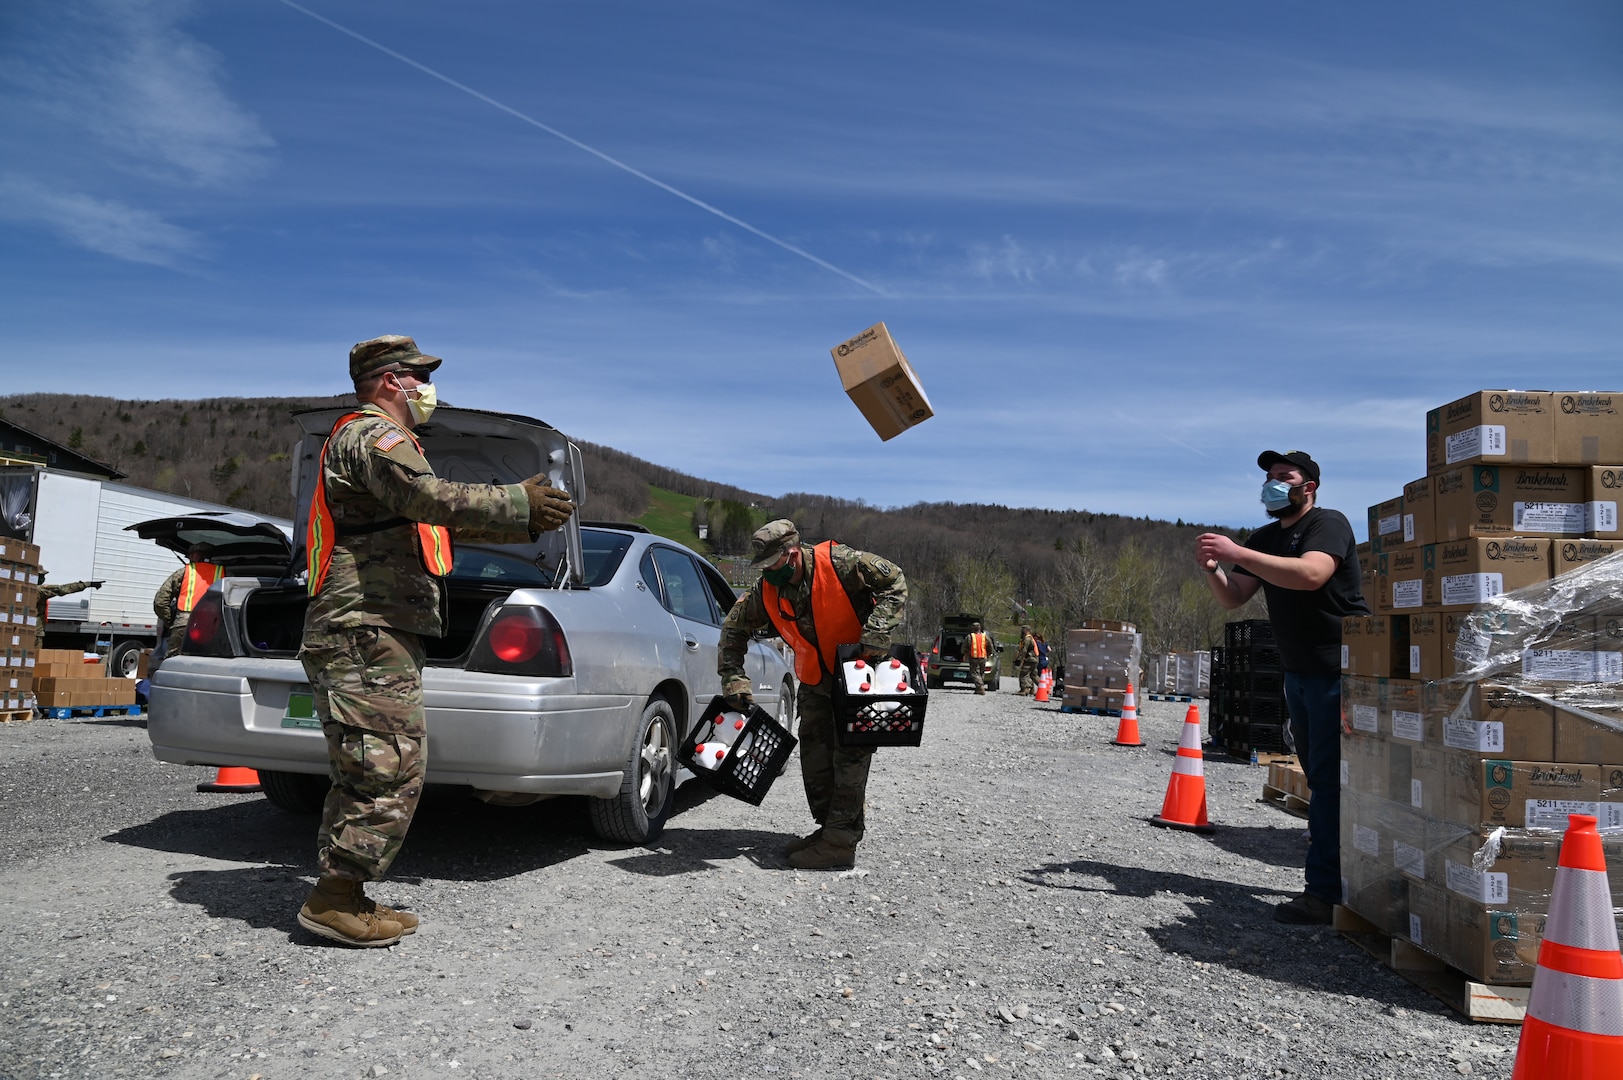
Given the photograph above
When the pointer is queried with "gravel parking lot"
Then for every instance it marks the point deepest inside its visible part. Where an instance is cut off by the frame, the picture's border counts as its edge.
(1011, 912)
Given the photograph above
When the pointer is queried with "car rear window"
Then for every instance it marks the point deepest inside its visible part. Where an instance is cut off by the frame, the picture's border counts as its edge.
(604, 552)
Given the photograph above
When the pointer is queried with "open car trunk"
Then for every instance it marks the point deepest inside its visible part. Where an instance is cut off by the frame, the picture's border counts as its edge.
(273, 619)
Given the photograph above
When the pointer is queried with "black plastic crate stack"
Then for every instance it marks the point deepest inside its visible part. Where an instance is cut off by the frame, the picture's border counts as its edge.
(1217, 699)
(1253, 695)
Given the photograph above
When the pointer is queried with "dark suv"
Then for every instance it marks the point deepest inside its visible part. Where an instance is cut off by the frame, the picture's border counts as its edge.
(949, 660)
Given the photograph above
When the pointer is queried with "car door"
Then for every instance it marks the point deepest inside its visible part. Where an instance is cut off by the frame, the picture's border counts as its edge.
(759, 664)
(683, 592)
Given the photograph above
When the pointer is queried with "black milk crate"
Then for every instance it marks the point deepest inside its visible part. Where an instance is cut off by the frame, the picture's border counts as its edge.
(1259, 709)
(880, 719)
(1248, 632)
(748, 775)
(1242, 739)
(1255, 658)
(1256, 684)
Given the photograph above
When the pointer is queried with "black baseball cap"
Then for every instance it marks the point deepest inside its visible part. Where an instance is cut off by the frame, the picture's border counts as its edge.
(1269, 458)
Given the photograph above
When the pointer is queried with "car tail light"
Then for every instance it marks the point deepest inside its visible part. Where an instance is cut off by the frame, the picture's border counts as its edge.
(522, 639)
(205, 630)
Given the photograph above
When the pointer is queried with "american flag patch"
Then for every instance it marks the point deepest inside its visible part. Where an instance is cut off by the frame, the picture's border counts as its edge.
(390, 441)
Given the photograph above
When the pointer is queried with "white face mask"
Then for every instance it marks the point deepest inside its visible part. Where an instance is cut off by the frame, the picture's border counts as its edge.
(422, 404)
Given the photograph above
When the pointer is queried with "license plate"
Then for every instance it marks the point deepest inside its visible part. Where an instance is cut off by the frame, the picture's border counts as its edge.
(301, 711)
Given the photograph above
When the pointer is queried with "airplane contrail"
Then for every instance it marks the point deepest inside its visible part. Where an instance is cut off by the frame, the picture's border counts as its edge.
(577, 144)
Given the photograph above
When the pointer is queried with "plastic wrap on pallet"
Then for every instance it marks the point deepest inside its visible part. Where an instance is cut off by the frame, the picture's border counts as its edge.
(1456, 791)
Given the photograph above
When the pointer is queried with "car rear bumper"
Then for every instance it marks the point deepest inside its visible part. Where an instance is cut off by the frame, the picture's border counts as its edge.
(494, 733)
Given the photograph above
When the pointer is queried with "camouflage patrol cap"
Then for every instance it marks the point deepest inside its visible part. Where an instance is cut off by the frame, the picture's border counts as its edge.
(770, 541)
(388, 353)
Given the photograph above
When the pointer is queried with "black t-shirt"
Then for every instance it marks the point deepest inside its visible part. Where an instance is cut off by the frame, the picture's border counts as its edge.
(1307, 624)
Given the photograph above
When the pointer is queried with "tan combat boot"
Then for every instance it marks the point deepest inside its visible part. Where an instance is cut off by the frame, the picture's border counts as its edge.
(803, 843)
(408, 921)
(824, 855)
(337, 910)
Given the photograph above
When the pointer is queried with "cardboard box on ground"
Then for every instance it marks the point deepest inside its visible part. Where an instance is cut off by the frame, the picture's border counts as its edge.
(1101, 658)
(878, 378)
(1477, 720)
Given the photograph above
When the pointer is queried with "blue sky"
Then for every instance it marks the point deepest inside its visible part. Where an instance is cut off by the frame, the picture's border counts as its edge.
(1126, 247)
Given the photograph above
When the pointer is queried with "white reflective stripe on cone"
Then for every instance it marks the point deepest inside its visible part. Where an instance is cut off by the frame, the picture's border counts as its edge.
(1581, 910)
(1188, 766)
(1190, 738)
(1577, 1002)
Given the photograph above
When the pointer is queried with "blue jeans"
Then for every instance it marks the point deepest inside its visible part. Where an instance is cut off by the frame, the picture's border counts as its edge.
(1314, 702)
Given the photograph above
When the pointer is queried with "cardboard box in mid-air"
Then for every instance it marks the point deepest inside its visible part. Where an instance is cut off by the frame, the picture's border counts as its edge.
(879, 379)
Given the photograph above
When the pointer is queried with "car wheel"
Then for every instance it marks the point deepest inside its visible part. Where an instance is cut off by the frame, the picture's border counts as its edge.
(786, 706)
(637, 815)
(125, 658)
(295, 793)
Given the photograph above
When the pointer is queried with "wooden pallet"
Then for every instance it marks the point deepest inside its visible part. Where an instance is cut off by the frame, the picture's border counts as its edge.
(13, 716)
(1291, 804)
(1169, 697)
(1263, 757)
(1471, 999)
(1089, 712)
(70, 712)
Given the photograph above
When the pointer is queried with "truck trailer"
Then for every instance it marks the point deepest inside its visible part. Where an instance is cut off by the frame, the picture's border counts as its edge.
(79, 522)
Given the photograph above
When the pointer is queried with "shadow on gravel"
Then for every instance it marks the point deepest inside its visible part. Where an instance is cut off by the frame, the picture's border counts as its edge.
(1277, 845)
(1226, 923)
(695, 851)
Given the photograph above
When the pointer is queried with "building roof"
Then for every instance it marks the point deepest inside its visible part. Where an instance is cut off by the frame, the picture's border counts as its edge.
(20, 446)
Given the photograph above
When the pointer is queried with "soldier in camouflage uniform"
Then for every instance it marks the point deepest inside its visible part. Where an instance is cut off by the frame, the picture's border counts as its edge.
(165, 602)
(836, 778)
(1026, 662)
(373, 600)
(47, 593)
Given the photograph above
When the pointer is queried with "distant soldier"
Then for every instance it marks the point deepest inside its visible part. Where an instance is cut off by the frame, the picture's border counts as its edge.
(1026, 661)
(978, 646)
(180, 592)
(816, 599)
(379, 541)
(47, 593)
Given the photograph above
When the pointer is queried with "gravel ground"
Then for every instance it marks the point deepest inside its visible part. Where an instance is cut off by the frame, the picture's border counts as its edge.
(1011, 912)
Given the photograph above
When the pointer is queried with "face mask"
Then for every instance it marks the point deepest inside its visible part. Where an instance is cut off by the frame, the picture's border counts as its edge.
(422, 406)
(780, 577)
(1276, 495)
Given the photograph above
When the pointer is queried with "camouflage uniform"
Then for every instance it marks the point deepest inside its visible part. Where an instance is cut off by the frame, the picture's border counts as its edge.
(835, 777)
(977, 666)
(47, 593)
(362, 647)
(163, 606)
(1025, 662)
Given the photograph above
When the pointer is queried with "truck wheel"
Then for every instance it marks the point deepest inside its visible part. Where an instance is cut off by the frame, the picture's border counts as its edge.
(637, 815)
(125, 658)
(295, 793)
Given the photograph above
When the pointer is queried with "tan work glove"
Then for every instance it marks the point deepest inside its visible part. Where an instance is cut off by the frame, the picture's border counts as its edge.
(549, 507)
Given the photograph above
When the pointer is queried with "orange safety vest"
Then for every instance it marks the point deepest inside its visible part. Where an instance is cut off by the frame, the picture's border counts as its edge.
(321, 534)
(977, 645)
(199, 576)
(833, 617)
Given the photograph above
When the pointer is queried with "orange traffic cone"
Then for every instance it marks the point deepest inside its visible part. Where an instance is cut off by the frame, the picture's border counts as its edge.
(1185, 804)
(1574, 1024)
(1127, 730)
(233, 778)
(1042, 686)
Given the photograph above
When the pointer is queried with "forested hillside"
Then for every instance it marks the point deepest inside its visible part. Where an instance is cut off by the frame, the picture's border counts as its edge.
(1052, 568)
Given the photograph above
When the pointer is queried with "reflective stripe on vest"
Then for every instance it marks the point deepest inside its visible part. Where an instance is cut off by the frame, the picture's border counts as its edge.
(320, 535)
(199, 576)
(833, 618)
(977, 645)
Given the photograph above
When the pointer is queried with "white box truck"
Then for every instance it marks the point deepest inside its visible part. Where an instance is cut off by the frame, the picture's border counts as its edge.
(79, 523)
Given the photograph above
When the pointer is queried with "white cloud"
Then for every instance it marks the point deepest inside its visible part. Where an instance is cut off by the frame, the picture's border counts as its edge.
(104, 225)
(124, 71)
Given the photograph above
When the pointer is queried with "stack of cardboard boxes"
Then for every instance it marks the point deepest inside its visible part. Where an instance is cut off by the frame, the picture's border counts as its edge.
(19, 622)
(1186, 674)
(1101, 657)
(1481, 702)
(64, 679)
